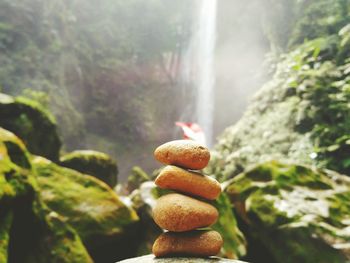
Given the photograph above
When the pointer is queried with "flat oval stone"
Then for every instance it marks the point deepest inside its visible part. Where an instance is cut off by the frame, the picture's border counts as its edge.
(175, 178)
(184, 153)
(179, 213)
(195, 243)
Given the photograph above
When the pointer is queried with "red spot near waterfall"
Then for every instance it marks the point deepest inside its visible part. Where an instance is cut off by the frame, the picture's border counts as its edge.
(192, 131)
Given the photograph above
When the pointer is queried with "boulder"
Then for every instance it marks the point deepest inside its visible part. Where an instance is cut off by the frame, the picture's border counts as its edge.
(152, 259)
(29, 121)
(293, 213)
(97, 164)
(107, 227)
(29, 230)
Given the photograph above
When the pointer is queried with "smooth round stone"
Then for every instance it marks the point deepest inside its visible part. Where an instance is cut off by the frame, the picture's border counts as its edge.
(153, 259)
(194, 243)
(179, 213)
(184, 153)
(175, 178)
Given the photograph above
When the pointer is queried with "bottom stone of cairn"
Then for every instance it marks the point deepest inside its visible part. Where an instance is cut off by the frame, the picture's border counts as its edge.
(198, 243)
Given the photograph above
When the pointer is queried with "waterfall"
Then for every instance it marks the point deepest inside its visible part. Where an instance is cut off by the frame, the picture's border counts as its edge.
(198, 68)
(205, 63)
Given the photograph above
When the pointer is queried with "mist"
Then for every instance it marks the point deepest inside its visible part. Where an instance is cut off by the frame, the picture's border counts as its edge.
(258, 90)
(242, 47)
(113, 74)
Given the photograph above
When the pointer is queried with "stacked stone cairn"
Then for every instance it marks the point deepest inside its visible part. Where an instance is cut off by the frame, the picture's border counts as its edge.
(185, 212)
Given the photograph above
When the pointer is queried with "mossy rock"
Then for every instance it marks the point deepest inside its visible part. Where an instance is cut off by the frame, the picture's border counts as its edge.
(293, 213)
(97, 164)
(300, 115)
(29, 231)
(29, 121)
(107, 227)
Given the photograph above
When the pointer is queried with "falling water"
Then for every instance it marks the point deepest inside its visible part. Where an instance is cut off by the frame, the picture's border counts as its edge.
(205, 63)
(199, 65)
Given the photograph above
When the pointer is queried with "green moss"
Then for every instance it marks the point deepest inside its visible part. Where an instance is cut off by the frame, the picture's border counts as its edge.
(17, 155)
(301, 212)
(264, 174)
(37, 106)
(29, 231)
(87, 204)
(14, 162)
(5, 224)
(263, 213)
(28, 120)
(300, 116)
(58, 242)
(97, 164)
(234, 241)
(339, 206)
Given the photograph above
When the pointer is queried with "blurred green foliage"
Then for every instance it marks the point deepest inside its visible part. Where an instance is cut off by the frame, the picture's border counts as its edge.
(318, 74)
(302, 114)
(289, 23)
(104, 66)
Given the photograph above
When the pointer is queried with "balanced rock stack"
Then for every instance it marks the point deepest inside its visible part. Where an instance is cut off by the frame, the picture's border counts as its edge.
(183, 214)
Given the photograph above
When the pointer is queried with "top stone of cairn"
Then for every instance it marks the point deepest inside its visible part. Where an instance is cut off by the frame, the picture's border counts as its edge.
(187, 154)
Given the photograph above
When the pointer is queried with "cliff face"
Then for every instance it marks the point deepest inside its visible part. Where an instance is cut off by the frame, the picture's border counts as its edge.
(301, 115)
(296, 123)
